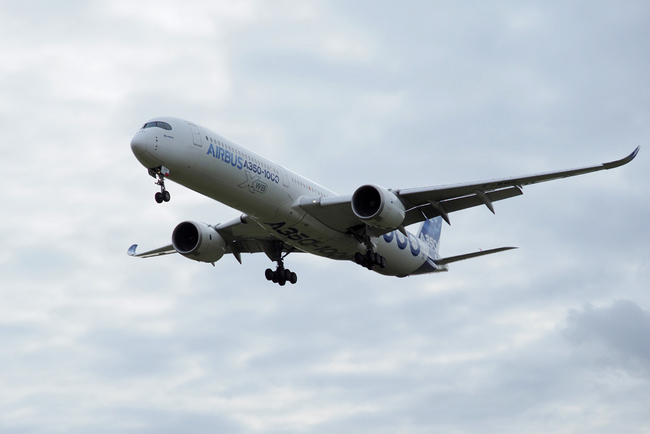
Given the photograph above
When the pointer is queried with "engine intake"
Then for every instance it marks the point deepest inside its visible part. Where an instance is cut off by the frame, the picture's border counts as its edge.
(198, 241)
(378, 207)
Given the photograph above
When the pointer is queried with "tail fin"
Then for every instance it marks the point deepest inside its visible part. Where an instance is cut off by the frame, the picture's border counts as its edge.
(430, 232)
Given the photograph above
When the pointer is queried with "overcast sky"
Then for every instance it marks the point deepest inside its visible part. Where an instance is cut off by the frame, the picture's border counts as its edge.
(552, 337)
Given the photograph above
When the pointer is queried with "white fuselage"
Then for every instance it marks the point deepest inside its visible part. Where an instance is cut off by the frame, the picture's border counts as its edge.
(225, 171)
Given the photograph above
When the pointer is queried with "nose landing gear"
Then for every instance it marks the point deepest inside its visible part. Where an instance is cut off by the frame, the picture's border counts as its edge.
(160, 173)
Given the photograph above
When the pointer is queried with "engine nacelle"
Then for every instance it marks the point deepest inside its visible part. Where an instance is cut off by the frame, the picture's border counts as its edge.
(198, 241)
(378, 207)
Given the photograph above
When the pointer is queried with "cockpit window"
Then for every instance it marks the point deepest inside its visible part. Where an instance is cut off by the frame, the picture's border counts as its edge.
(163, 125)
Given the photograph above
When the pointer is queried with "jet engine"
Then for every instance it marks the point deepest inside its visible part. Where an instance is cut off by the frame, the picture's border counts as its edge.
(198, 241)
(378, 207)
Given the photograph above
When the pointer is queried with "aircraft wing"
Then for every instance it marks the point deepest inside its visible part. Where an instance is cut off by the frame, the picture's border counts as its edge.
(242, 235)
(428, 202)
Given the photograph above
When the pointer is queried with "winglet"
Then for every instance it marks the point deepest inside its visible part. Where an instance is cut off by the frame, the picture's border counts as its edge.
(623, 161)
(131, 251)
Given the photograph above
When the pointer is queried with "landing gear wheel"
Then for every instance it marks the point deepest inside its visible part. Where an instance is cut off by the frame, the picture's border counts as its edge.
(370, 260)
(159, 197)
(281, 276)
(276, 253)
(166, 196)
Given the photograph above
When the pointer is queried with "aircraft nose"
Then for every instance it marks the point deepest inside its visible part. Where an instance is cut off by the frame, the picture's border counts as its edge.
(139, 144)
(141, 150)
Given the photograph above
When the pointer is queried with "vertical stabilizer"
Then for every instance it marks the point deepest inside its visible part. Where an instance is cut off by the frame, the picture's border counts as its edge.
(430, 232)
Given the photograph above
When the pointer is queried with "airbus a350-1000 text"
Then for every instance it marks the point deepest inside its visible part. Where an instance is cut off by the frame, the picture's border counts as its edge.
(284, 212)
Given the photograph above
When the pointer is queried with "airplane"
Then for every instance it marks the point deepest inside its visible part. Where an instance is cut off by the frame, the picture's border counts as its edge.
(284, 212)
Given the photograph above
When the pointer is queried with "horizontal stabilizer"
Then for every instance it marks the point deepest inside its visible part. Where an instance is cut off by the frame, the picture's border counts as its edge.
(166, 250)
(444, 261)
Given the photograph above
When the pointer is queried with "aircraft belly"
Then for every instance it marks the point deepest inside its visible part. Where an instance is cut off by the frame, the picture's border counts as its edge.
(305, 233)
(403, 255)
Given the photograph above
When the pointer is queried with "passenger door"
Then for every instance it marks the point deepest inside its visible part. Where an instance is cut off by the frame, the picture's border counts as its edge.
(196, 134)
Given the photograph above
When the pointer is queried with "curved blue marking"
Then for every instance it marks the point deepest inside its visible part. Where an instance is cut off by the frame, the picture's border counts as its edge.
(389, 237)
(415, 246)
(401, 244)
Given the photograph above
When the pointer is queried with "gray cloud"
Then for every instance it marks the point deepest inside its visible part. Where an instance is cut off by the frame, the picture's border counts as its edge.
(619, 332)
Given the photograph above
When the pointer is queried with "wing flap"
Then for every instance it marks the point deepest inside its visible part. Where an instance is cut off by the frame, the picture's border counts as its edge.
(415, 215)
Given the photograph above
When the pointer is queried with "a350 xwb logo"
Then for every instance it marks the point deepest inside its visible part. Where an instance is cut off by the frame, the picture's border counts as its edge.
(254, 183)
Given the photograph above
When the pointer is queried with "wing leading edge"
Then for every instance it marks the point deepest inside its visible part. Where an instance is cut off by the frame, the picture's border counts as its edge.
(429, 202)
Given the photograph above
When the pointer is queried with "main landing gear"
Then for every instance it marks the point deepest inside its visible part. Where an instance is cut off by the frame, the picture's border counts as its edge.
(281, 275)
(370, 260)
(160, 173)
